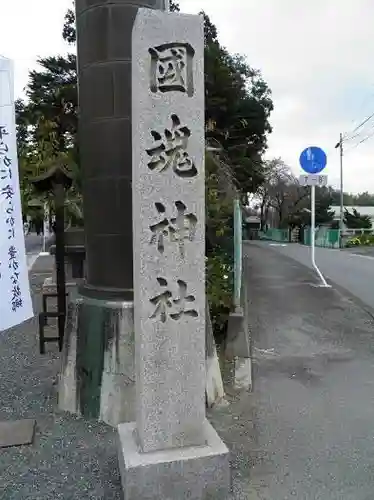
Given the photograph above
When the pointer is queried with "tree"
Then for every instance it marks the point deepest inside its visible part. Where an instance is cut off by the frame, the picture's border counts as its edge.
(238, 102)
(174, 6)
(324, 214)
(238, 106)
(280, 192)
(354, 220)
(363, 199)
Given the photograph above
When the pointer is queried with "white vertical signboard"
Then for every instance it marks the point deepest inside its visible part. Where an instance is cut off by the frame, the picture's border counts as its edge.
(15, 299)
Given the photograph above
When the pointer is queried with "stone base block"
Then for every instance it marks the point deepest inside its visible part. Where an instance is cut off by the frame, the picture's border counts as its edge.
(97, 378)
(195, 473)
(237, 343)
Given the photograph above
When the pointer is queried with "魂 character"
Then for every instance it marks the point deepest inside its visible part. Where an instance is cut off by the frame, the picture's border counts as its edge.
(171, 152)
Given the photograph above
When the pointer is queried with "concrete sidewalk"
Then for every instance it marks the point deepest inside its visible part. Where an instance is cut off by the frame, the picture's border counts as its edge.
(311, 414)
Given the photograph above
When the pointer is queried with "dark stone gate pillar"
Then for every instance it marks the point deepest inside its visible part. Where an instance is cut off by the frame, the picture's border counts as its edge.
(104, 60)
(97, 377)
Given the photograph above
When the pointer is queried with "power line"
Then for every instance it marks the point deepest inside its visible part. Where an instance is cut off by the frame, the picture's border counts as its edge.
(348, 137)
(366, 138)
(363, 105)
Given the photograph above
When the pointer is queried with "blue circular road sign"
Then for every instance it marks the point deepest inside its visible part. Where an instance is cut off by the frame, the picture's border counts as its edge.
(313, 160)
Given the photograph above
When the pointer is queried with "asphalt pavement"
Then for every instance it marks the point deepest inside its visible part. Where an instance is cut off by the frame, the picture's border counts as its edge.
(311, 413)
(352, 270)
(33, 244)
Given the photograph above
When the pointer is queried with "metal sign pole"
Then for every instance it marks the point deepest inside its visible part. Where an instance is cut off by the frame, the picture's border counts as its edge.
(313, 161)
(238, 258)
(313, 235)
(313, 223)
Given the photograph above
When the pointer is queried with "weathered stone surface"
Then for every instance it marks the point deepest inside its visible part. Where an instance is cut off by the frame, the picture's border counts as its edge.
(98, 384)
(169, 228)
(16, 433)
(196, 473)
(50, 286)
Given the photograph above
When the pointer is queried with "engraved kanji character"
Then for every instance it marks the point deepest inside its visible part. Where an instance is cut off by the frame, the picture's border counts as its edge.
(164, 301)
(172, 150)
(183, 227)
(181, 302)
(161, 301)
(171, 68)
(159, 230)
(180, 228)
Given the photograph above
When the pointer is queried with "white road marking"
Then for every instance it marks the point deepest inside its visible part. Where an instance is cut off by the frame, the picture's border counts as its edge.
(370, 257)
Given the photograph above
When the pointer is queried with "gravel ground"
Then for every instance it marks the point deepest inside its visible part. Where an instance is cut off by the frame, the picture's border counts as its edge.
(71, 458)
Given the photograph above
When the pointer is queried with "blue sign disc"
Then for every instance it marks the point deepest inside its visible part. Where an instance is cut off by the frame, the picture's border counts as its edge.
(313, 160)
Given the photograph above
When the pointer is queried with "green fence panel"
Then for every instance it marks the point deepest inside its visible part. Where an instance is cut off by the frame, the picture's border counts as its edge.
(324, 238)
(280, 235)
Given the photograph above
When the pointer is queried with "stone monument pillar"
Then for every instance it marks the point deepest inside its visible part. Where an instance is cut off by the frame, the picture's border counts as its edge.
(171, 451)
(97, 376)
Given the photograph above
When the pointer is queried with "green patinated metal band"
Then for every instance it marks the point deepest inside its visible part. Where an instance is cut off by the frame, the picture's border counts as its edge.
(91, 345)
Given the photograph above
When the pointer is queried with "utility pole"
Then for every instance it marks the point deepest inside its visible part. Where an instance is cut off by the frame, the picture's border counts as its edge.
(340, 146)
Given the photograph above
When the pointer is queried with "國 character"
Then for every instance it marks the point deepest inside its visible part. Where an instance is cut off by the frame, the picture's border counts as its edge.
(171, 68)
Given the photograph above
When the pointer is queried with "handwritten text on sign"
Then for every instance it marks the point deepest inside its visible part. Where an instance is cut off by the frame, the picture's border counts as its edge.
(15, 304)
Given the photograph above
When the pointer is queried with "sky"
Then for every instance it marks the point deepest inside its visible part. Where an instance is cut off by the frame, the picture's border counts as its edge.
(316, 56)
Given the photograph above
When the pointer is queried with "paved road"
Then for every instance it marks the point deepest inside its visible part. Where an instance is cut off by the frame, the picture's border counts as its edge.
(348, 269)
(33, 244)
(312, 420)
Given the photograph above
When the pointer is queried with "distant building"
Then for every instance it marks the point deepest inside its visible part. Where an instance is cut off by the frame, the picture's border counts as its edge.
(253, 221)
